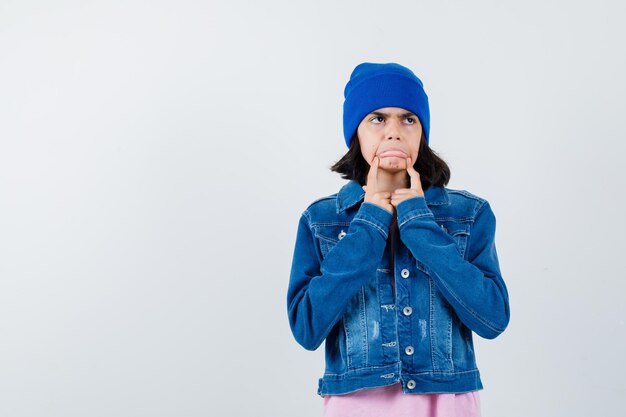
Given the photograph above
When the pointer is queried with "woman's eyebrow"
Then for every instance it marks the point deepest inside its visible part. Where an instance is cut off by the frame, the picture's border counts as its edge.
(381, 114)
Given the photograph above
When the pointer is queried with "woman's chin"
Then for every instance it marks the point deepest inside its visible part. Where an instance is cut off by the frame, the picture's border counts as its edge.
(392, 165)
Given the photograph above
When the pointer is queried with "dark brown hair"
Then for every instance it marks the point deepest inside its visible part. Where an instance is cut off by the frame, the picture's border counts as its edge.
(432, 169)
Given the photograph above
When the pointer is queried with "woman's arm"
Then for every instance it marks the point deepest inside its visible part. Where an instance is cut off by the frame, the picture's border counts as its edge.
(319, 291)
(474, 288)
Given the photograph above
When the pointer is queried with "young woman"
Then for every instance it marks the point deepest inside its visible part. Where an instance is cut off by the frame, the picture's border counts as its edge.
(395, 271)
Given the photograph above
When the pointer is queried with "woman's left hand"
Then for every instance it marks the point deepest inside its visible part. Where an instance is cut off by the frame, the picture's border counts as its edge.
(401, 194)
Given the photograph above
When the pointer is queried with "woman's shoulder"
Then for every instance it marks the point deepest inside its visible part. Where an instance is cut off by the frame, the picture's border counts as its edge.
(323, 204)
(465, 194)
(472, 201)
(332, 207)
(323, 200)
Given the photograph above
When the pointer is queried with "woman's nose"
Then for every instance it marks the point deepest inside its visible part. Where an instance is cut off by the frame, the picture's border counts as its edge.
(393, 131)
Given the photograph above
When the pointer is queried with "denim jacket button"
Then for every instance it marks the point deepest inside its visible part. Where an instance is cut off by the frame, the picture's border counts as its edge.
(410, 384)
(404, 273)
(407, 311)
(341, 235)
(409, 350)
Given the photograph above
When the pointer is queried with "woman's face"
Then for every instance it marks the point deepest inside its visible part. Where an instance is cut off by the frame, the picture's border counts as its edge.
(391, 133)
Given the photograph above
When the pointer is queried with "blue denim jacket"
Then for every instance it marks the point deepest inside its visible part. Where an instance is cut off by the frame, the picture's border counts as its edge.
(408, 319)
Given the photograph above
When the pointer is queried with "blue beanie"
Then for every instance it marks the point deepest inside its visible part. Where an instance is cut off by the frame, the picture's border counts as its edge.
(373, 86)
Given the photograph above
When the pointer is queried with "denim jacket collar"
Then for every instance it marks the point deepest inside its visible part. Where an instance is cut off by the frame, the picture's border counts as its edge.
(352, 193)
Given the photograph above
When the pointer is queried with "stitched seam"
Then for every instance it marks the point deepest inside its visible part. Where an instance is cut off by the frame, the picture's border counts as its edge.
(443, 372)
(450, 343)
(410, 217)
(454, 219)
(371, 224)
(405, 373)
(328, 197)
(346, 224)
(466, 194)
(308, 217)
(363, 314)
(364, 368)
(326, 239)
(431, 313)
(348, 341)
(479, 207)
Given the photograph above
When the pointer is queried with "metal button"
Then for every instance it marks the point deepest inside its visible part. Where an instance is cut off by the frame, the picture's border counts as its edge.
(409, 350)
(407, 311)
(410, 384)
(404, 273)
(341, 235)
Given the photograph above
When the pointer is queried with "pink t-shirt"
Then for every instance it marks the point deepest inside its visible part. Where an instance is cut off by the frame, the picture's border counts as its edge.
(391, 401)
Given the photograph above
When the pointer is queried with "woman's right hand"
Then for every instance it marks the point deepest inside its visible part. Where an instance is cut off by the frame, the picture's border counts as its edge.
(372, 195)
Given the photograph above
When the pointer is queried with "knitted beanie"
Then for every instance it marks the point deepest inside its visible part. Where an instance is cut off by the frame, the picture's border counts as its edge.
(373, 86)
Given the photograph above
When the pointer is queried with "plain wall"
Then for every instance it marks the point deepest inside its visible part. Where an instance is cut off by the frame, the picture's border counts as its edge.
(155, 158)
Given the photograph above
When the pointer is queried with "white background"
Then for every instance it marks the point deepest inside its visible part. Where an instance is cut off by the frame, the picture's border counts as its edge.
(155, 157)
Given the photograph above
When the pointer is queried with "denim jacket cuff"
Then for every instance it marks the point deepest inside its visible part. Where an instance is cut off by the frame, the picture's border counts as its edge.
(412, 208)
(375, 216)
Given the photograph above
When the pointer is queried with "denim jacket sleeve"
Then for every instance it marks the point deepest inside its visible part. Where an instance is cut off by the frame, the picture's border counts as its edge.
(320, 290)
(473, 287)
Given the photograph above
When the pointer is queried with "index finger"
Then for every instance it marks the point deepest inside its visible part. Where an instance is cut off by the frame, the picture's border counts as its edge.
(415, 176)
(372, 175)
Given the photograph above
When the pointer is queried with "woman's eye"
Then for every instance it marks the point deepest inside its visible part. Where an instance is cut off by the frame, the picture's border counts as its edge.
(375, 119)
(410, 120)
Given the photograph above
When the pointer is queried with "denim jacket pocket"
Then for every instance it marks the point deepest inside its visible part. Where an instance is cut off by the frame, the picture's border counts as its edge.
(329, 235)
(459, 231)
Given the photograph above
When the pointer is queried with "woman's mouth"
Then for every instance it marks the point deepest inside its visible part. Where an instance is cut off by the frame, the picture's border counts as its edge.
(393, 153)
